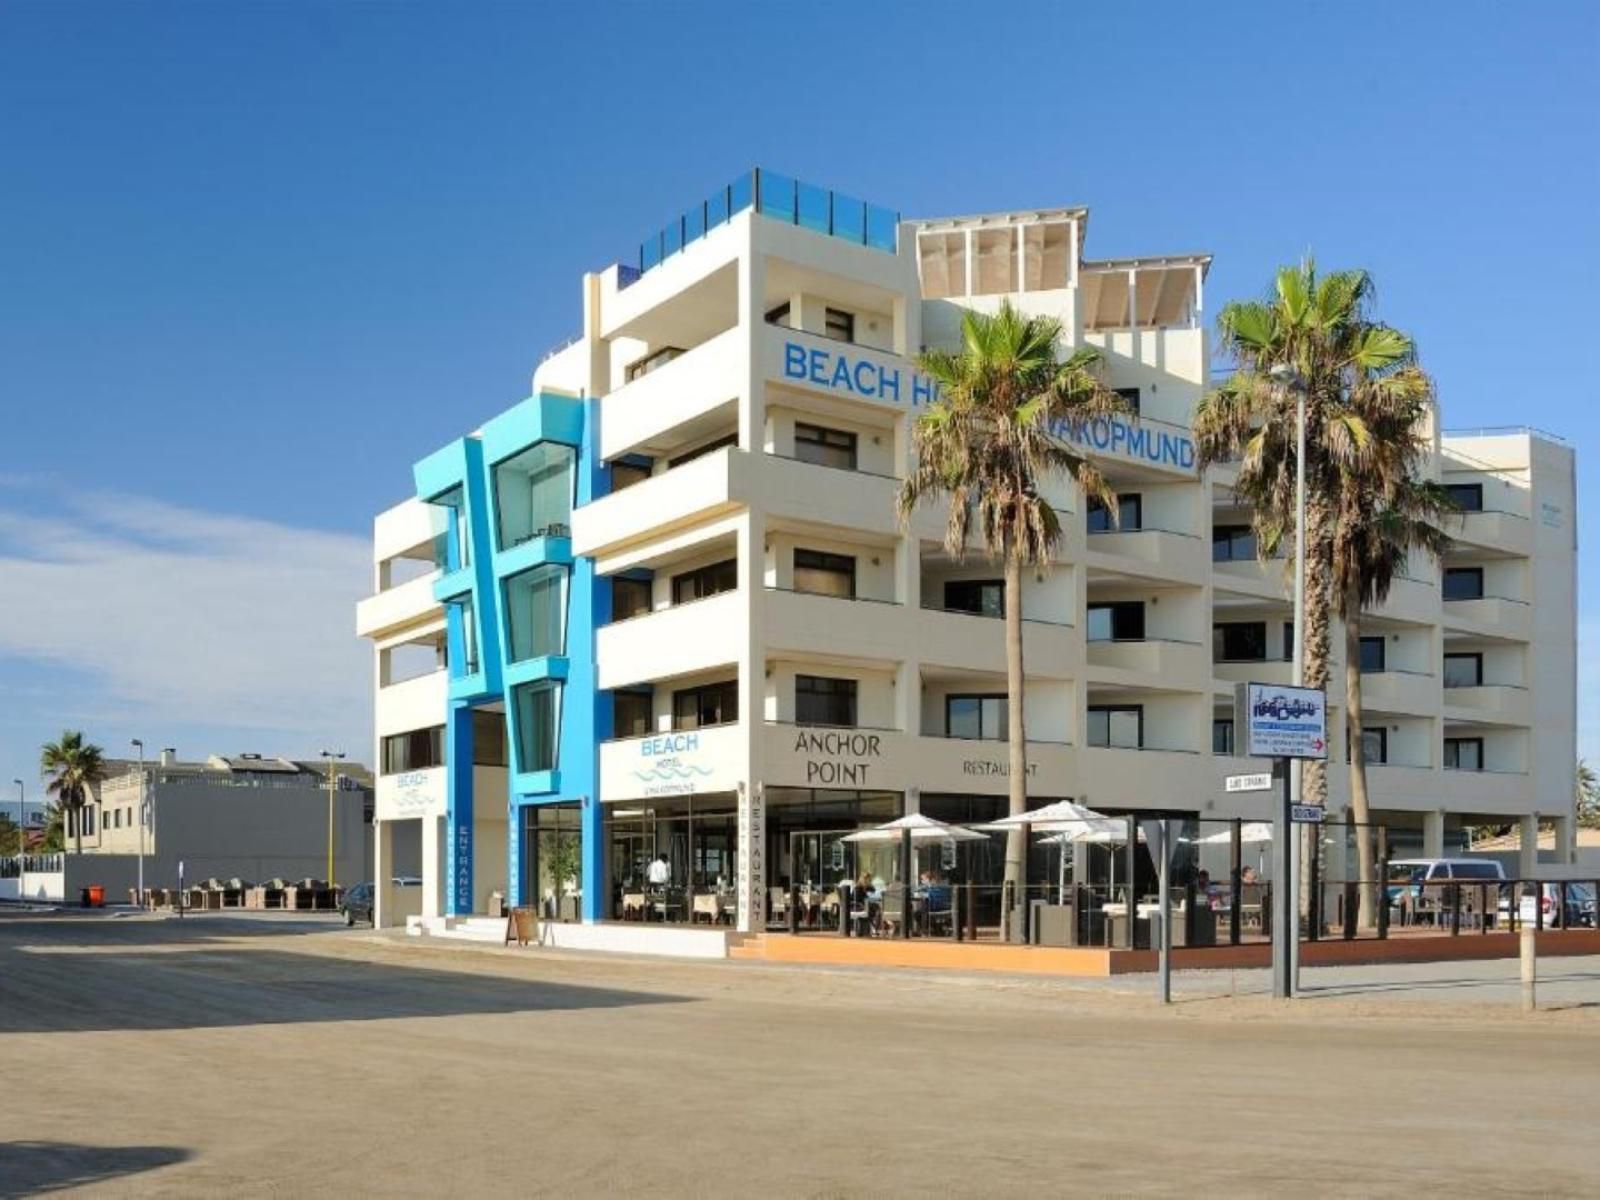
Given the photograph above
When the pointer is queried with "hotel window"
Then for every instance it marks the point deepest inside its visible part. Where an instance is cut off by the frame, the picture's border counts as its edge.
(1463, 583)
(984, 717)
(489, 738)
(1222, 736)
(116, 818)
(1372, 654)
(416, 750)
(536, 708)
(819, 700)
(1130, 514)
(626, 474)
(1468, 497)
(451, 528)
(1463, 754)
(630, 714)
(780, 316)
(711, 704)
(1288, 641)
(536, 613)
(688, 456)
(630, 598)
(825, 447)
(824, 574)
(1239, 641)
(986, 597)
(1117, 725)
(1130, 397)
(88, 822)
(1375, 744)
(705, 581)
(1117, 621)
(1463, 670)
(653, 361)
(1233, 543)
(839, 325)
(533, 493)
(465, 615)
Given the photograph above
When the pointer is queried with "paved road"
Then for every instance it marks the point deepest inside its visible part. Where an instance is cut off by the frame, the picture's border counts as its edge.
(279, 1058)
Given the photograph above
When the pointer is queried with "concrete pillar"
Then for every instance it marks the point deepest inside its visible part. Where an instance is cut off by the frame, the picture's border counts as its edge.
(1566, 839)
(382, 872)
(459, 805)
(751, 541)
(433, 866)
(1433, 833)
(752, 322)
(1528, 845)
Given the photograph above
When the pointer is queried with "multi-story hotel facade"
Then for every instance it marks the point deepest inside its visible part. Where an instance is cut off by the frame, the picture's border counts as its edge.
(664, 608)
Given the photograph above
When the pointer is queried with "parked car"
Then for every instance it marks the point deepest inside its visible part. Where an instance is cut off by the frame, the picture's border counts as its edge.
(357, 903)
(1580, 903)
(1423, 886)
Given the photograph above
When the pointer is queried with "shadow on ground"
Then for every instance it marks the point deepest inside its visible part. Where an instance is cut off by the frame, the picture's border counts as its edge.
(29, 1168)
(147, 976)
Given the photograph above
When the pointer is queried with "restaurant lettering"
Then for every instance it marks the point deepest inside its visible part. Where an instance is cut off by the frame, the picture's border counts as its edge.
(837, 756)
(989, 766)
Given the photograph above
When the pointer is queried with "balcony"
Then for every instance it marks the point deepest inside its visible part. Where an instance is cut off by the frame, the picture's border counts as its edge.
(1488, 790)
(1270, 580)
(1491, 617)
(1113, 776)
(669, 642)
(405, 604)
(1176, 663)
(975, 642)
(413, 704)
(857, 500)
(675, 763)
(1410, 599)
(839, 626)
(690, 388)
(1396, 691)
(708, 486)
(1278, 671)
(1171, 554)
(1492, 703)
(812, 363)
(1508, 532)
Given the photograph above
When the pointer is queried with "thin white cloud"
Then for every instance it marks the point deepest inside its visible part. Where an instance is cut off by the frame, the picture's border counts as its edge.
(190, 617)
(1589, 689)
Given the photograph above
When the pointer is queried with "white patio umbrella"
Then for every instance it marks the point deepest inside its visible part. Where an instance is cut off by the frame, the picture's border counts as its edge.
(1055, 817)
(923, 829)
(1250, 833)
(1093, 831)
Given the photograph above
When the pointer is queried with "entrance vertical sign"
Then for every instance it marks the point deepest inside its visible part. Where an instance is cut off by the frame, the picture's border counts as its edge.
(752, 859)
(1288, 723)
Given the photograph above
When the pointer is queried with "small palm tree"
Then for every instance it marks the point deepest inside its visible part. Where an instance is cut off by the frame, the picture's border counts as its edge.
(997, 431)
(1588, 796)
(73, 766)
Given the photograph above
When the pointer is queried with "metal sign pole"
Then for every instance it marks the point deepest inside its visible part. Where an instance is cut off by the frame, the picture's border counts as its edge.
(1282, 830)
(1164, 901)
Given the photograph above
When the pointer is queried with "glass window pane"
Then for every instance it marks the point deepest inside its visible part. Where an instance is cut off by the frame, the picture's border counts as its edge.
(536, 613)
(1463, 583)
(1099, 624)
(536, 708)
(963, 717)
(1372, 654)
(996, 718)
(1463, 670)
(1124, 728)
(533, 494)
(1099, 727)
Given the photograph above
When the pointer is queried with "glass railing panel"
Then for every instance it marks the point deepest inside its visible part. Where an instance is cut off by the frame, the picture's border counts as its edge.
(672, 239)
(849, 218)
(717, 208)
(649, 252)
(694, 223)
(777, 196)
(812, 204)
(741, 193)
(881, 228)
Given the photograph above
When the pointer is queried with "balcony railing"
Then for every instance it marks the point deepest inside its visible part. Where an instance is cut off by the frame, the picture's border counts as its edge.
(779, 198)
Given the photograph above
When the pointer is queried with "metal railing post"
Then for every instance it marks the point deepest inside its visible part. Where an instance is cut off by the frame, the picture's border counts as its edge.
(1455, 909)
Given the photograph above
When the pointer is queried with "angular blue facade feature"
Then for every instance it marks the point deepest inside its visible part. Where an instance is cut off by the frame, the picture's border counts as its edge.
(482, 556)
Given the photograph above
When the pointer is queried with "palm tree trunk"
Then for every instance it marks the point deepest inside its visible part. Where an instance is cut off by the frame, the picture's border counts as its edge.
(77, 824)
(1318, 637)
(1360, 809)
(1017, 776)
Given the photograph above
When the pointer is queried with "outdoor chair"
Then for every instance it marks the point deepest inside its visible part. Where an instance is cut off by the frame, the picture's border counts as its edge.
(894, 915)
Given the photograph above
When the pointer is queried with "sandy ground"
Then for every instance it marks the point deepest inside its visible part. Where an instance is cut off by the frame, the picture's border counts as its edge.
(286, 1058)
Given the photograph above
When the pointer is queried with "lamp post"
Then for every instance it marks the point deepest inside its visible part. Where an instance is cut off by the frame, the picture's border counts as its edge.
(22, 837)
(332, 757)
(139, 746)
(1285, 376)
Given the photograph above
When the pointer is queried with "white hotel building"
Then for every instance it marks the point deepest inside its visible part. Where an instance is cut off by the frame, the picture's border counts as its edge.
(672, 612)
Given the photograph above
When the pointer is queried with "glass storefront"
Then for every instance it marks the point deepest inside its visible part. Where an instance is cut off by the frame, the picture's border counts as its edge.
(552, 862)
(673, 859)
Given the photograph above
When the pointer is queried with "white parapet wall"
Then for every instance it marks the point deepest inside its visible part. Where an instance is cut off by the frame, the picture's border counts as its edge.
(665, 941)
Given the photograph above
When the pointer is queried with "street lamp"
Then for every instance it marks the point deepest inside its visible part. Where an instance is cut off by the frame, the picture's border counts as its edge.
(332, 756)
(139, 746)
(22, 837)
(1285, 377)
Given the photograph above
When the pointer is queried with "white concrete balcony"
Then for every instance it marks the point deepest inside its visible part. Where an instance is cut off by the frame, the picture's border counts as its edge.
(1492, 791)
(973, 642)
(708, 486)
(675, 763)
(1494, 703)
(689, 388)
(1252, 577)
(669, 642)
(1261, 670)
(1171, 663)
(1410, 599)
(1391, 785)
(1490, 617)
(406, 604)
(1508, 532)
(413, 704)
(1114, 776)
(837, 626)
(1400, 692)
(1167, 554)
(801, 491)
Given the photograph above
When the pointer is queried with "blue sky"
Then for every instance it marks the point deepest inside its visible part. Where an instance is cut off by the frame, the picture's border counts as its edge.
(259, 257)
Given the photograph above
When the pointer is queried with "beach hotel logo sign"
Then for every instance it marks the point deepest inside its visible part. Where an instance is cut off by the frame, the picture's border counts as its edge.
(669, 767)
(1285, 722)
(865, 378)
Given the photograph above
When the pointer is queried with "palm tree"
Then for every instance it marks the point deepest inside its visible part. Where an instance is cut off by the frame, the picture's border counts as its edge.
(996, 432)
(73, 767)
(1588, 799)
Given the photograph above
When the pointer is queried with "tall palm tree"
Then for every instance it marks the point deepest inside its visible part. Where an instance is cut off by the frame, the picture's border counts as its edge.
(1588, 796)
(998, 429)
(73, 767)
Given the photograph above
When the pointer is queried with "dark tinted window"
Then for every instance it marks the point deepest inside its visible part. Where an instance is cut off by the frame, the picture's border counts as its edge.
(630, 714)
(840, 325)
(983, 717)
(727, 439)
(986, 596)
(705, 581)
(1239, 641)
(825, 447)
(712, 704)
(1372, 654)
(1463, 670)
(1233, 543)
(823, 701)
(825, 574)
(416, 750)
(1130, 514)
(1468, 497)
(1463, 583)
(629, 598)
(1117, 621)
(1116, 725)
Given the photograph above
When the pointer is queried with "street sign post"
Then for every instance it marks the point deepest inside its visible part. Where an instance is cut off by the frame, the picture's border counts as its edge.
(1307, 814)
(1287, 723)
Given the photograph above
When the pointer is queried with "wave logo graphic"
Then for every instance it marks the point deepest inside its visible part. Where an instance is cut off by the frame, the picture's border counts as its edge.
(671, 772)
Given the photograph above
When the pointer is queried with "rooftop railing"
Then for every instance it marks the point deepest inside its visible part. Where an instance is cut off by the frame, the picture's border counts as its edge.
(779, 198)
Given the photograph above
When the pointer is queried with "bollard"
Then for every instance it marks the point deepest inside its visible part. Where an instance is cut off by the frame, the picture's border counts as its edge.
(1530, 969)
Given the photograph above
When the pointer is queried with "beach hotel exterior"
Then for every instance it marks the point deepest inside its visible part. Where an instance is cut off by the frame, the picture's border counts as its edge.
(658, 623)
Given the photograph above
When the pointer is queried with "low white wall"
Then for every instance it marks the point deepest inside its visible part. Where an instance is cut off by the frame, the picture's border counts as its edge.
(35, 885)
